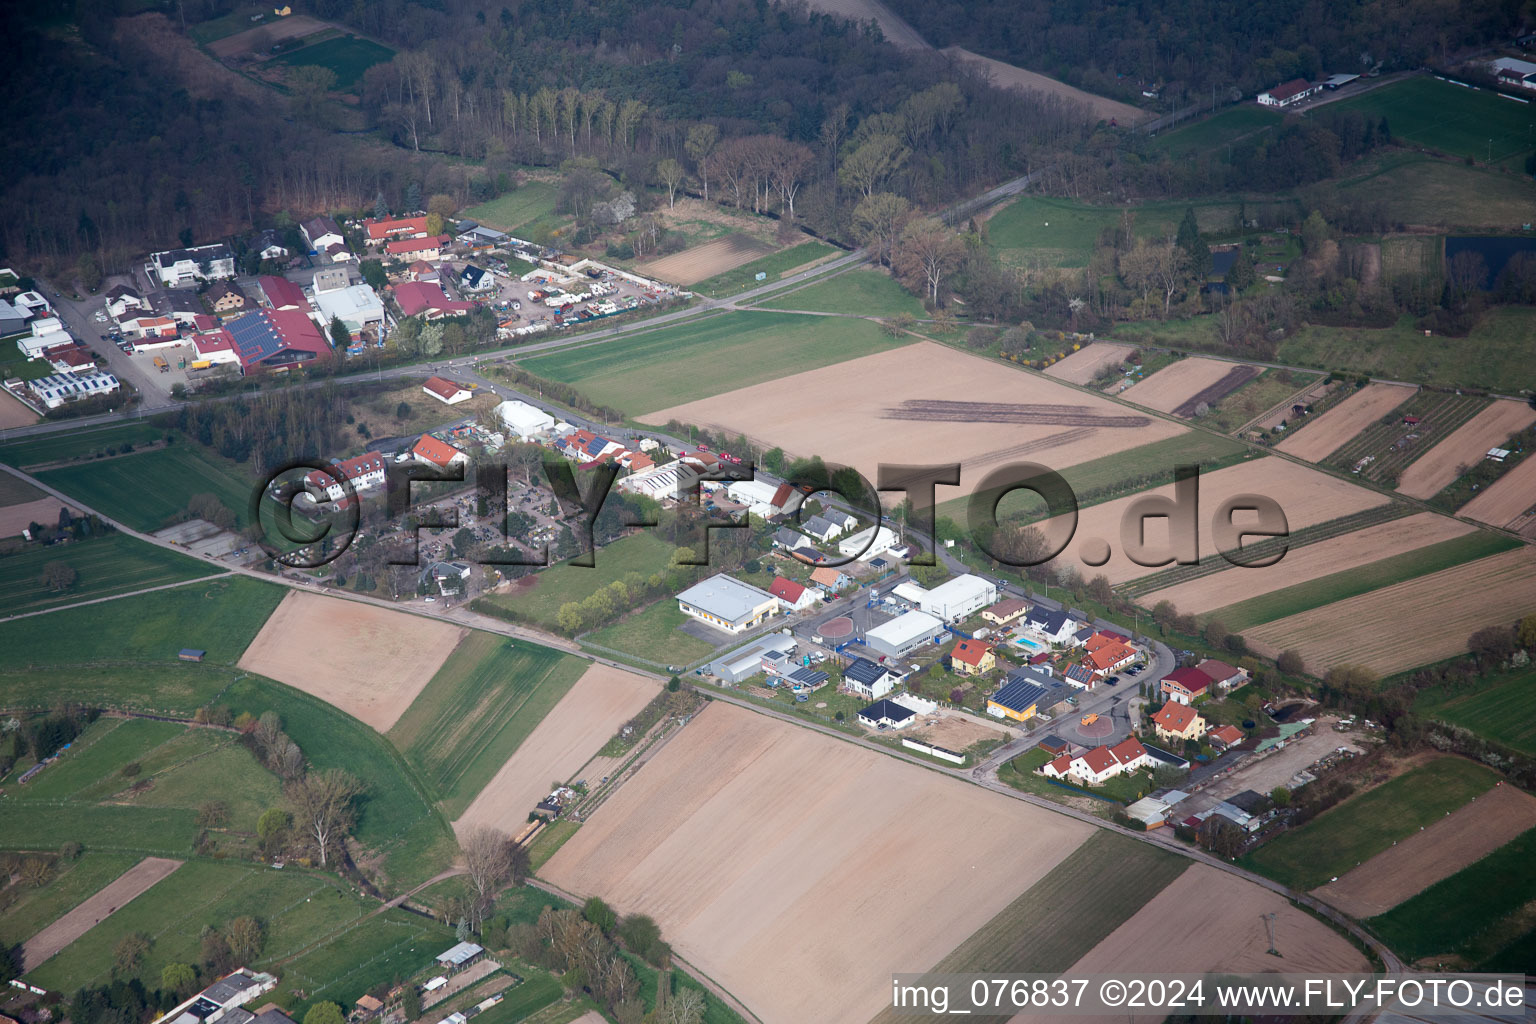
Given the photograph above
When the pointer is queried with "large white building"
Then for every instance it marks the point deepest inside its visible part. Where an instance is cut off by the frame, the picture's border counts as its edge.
(177, 267)
(364, 471)
(56, 389)
(356, 306)
(524, 420)
(47, 332)
(904, 634)
(953, 599)
(878, 539)
(725, 602)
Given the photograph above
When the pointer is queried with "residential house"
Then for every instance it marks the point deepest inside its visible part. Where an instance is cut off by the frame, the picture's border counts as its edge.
(1106, 655)
(364, 472)
(904, 634)
(420, 298)
(787, 539)
(793, 596)
(866, 544)
(1294, 91)
(972, 658)
(178, 267)
(268, 246)
(1081, 676)
(321, 233)
(1178, 722)
(1054, 627)
(1020, 695)
(1185, 685)
(417, 248)
(71, 357)
(1097, 766)
(868, 679)
(475, 281)
(887, 714)
(838, 518)
(281, 293)
(381, 232)
(336, 252)
(421, 270)
(1223, 677)
(1005, 611)
(182, 305)
(450, 578)
(820, 527)
(583, 446)
(725, 602)
(831, 580)
(123, 299)
(433, 452)
(446, 391)
(1082, 636)
(225, 297)
(1224, 736)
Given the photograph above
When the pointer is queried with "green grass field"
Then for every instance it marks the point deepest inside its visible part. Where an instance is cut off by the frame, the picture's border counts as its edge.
(14, 491)
(25, 911)
(1218, 130)
(1419, 189)
(640, 374)
(77, 443)
(105, 566)
(347, 56)
(122, 654)
(774, 265)
(1255, 398)
(1462, 915)
(225, 25)
(653, 634)
(1064, 233)
(643, 552)
(477, 710)
(146, 490)
(1423, 111)
(1502, 709)
(397, 819)
(522, 208)
(1361, 827)
(861, 292)
(1277, 604)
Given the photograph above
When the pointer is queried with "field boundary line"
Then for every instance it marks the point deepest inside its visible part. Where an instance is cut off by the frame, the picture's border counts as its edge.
(115, 597)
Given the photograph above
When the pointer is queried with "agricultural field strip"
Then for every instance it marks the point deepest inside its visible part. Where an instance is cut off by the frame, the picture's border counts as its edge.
(1343, 419)
(1235, 379)
(1169, 388)
(1439, 467)
(117, 894)
(1441, 412)
(1506, 499)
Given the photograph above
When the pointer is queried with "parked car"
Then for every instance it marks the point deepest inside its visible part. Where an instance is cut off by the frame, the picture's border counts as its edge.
(1112, 681)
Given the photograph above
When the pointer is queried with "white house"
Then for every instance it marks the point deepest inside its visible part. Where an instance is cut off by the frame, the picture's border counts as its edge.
(177, 267)
(56, 389)
(123, 299)
(821, 527)
(1097, 766)
(1294, 91)
(474, 281)
(793, 597)
(877, 539)
(267, 246)
(446, 391)
(725, 602)
(887, 714)
(321, 233)
(432, 452)
(364, 471)
(1054, 627)
(524, 420)
(868, 679)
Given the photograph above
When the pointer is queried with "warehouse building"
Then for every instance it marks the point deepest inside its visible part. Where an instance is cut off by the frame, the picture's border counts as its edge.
(954, 599)
(746, 662)
(725, 602)
(904, 634)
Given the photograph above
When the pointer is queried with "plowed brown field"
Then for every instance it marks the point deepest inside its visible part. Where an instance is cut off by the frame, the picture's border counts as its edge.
(1410, 623)
(1466, 446)
(1083, 365)
(1311, 562)
(705, 261)
(1331, 429)
(1507, 498)
(771, 856)
(1172, 386)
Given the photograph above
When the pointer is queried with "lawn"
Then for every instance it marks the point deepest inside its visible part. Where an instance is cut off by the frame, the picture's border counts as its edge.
(647, 372)
(347, 56)
(1218, 130)
(397, 819)
(477, 710)
(1495, 356)
(147, 490)
(1502, 709)
(522, 208)
(214, 29)
(1419, 189)
(392, 945)
(653, 635)
(642, 552)
(1425, 112)
(15, 491)
(104, 565)
(1355, 831)
(1277, 604)
(1063, 233)
(1255, 398)
(77, 443)
(25, 911)
(861, 292)
(1460, 915)
(122, 654)
(548, 842)
(774, 266)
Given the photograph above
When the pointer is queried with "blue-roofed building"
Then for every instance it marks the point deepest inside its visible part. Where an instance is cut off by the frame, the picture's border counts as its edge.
(1020, 696)
(867, 679)
(886, 714)
(275, 339)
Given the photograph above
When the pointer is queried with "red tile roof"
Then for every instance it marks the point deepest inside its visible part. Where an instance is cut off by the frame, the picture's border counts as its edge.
(1108, 654)
(786, 590)
(1061, 764)
(1174, 717)
(378, 229)
(1289, 89)
(349, 469)
(1128, 750)
(1225, 734)
(971, 651)
(1217, 671)
(444, 389)
(409, 245)
(282, 293)
(439, 453)
(1192, 679)
(1100, 760)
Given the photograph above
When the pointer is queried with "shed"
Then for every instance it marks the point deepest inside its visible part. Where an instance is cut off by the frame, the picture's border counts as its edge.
(461, 955)
(191, 654)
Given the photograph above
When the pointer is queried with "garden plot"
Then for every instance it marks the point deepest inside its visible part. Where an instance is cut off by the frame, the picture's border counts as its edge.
(1465, 447)
(1330, 430)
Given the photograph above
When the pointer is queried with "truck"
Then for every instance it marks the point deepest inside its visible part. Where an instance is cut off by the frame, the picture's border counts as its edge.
(162, 365)
(201, 364)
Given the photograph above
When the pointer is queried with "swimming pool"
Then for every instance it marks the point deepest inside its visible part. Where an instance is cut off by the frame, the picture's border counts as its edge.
(1026, 642)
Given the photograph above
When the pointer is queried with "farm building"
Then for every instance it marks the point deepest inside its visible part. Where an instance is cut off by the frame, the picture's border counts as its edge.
(432, 452)
(866, 544)
(759, 496)
(904, 634)
(887, 714)
(806, 678)
(446, 391)
(1005, 611)
(221, 1002)
(458, 957)
(191, 654)
(725, 602)
(867, 679)
(747, 661)
(1185, 685)
(1175, 721)
(808, 555)
(1294, 91)
(524, 420)
(972, 658)
(794, 597)
(1020, 695)
(953, 599)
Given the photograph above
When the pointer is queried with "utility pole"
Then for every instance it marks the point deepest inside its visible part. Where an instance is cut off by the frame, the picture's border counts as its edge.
(1269, 924)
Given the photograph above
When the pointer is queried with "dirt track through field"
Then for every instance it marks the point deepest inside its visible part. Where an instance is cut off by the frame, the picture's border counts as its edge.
(840, 413)
(705, 261)
(108, 900)
(1406, 868)
(1172, 386)
(370, 662)
(940, 411)
(15, 518)
(590, 713)
(1305, 495)
(1507, 498)
(1235, 378)
(1412, 623)
(1467, 445)
(1331, 429)
(1209, 920)
(1010, 76)
(1310, 562)
(1083, 365)
(800, 871)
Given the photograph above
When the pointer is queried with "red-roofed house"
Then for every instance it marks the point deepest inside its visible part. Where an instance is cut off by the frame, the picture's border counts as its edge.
(1223, 676)
(1108, 655)
(364, 471)
(972, 658)
(282, 293)
(792, 595)
(429, 248)
(69, 358)
(1057, 769)
(421, 270)
(1178, 722)
(1097, 766)
(1131, 754)
(446, 391)
(1294, 91)
(1186, 685)
(432, 452)
(427, 300)
(381, 231)
(1224, 736)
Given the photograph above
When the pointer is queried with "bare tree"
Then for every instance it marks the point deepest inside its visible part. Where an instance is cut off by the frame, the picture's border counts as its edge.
(927, 250)
(701, 142)
(687, 1007)
(488, 861)
(788, 166)
(877, 223)
(671, 174)
(323, 807)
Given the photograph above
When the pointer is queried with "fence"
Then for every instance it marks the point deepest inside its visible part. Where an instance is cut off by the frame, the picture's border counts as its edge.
(942, 753)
